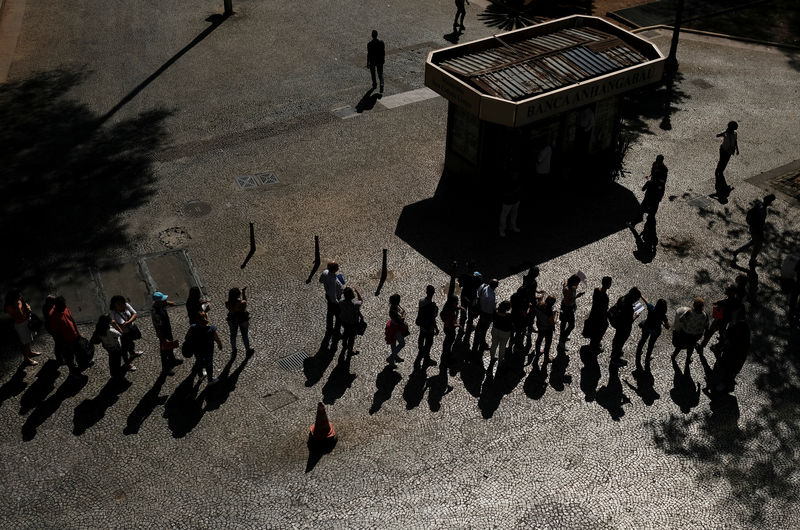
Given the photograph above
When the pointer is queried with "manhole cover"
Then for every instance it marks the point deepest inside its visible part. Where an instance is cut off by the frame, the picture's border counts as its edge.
(174, 237)
(293, 362)
(276, 400)
(259, 179)
(702, 201)
(196, 208)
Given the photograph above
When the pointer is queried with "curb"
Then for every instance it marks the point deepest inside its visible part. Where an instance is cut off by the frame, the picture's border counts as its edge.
(720, 36)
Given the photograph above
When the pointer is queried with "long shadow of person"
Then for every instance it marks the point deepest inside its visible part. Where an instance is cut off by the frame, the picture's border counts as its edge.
(38, 390)
(611, 397)
(644, 386)
(558, 373)
(150, 400)
(459, 352)
(385, 382)
(646, 242)
(590, 373)
(472, 372)
(219, 393)
(490, 395)
(415, 386)
(685, 392)
(184, 408)
(339, 381)
(536, 384)
(91, 411)
(14, 386)
(314, 367)
(46, 408)
(367, 101)
(438, 387)
(453, 37)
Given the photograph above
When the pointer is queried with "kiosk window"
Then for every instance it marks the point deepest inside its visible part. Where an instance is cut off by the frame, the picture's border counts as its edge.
(605, 121)
(464, 131)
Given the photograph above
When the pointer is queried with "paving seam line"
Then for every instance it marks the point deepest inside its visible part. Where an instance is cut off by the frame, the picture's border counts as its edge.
(719, 36)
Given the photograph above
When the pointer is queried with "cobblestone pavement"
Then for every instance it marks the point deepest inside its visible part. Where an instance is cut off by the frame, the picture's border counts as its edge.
(520, 449)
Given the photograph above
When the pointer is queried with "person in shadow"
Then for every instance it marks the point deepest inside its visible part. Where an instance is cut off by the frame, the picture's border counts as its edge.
(596, 324)
(376, 54)
(651, 330)
(685, 392)
(590, 373)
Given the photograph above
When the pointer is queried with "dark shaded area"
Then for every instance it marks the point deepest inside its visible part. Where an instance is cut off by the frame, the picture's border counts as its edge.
(453, 37)
(644, 386)
(612, 396)
(318, 449)
(659, 102)
(218, 394)
(252, 247)
(415, 387)
(368, 100)
(536, 384)
(69, 388)
(38, 390)
(438, 387)
(757, 458)
(558, 372)
(514, 14)
(14, 386)
(56, 157)
(315, 267)
(500, 383)
(314, 367)
(149, 402)
(339, 380)
(590, 373)
(385, 382)
(184, 408)
(451, 227)
(91, 411)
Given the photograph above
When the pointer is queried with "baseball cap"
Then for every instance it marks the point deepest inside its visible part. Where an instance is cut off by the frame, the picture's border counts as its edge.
(158, 296)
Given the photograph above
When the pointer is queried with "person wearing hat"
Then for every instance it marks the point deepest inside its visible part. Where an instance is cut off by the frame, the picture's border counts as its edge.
(163, 329)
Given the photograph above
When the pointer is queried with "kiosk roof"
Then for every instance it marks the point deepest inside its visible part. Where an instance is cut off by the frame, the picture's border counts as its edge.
(514, 68)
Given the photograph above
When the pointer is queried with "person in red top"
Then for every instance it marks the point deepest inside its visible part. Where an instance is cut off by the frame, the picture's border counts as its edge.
(20, 311)
(65, 332)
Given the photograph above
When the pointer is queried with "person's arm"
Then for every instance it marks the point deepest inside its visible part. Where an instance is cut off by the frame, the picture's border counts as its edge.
(646, 303)
(217, 340)
(358, 295)
(720, 135)
(170, 303)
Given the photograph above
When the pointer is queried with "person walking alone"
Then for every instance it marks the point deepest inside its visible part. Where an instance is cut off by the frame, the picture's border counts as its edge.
(462, 12)
(376, 54)
(653, 189)
(238, 318)
(729, 147)
(756, 222)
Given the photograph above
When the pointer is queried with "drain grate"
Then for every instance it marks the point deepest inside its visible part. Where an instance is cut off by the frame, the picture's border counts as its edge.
(703, 201)
(259, 179)
(293, 362)
(196, 208)
(276, 400)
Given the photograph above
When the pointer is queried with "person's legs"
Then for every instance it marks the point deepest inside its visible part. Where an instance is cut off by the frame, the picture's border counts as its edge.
(380, 75)
(244, 329)
(348, 338)
(495, 342)
(570, 325)
(758, 243)
(548, 340)
(208, 364)
(640, 346)
(114, 363)
(539, 339)
(372, 73)
(650, 345)
(720, 184)
(233, 327)
(503, 337)
(398, 344)
(449, 340)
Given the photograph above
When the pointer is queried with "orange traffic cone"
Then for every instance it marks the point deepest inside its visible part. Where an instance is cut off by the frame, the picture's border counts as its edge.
(322, 430)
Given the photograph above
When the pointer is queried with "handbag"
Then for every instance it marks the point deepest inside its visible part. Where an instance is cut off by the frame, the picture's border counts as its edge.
(717, 312)
(168, 345)
(134, 333)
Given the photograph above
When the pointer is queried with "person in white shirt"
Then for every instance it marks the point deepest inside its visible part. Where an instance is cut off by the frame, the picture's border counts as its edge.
(487, 302)
(729, 147)
(111, 339)
(689, 327)
(123, 319)
(334, 285)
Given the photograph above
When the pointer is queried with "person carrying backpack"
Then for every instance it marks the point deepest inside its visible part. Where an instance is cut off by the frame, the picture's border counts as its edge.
(621, 317)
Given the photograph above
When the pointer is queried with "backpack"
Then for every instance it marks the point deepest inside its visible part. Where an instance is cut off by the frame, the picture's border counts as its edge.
(615, 313)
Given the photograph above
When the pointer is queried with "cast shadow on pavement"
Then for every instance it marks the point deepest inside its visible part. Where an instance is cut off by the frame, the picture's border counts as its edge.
(14, 386)
(500, 383)
(590, 373)
(450, 227)
(149, 402)
(91, 411)
(38, 390)
(69, 388)
(514, 14)
(339, 380)
(611, 396)
(385, 383)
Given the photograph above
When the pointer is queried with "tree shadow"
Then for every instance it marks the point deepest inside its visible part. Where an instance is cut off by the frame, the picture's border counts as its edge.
(150, 400)
(430, 228)
(56, 158)
(339, 380)
(69, 388)
(91, 411)
(385, 382)
(514, 14)
(611, 396)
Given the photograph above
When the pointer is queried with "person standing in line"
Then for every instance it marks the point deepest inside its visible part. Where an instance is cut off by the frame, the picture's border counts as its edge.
(469, 283)
(202, 336)
(163, 329)
(462, 12)
(195, 303)
(651, 329)
(653, 189)
(123, 318)
(20, 312)
(450, 323)
(509, 210)
(487, 302)
(596, 324)
(756, 222)
(729, 147)
(396, 329)
(428, 328)
(725, 311)
(546, 318)
(569, 305)
(65, 333)
(238, 318)
(734, 354)
(621, 317)
(350, 316)
(376, 55)
(501, 331)
(520, 315)
(333, 284)
(689, 326)
(111, 339)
